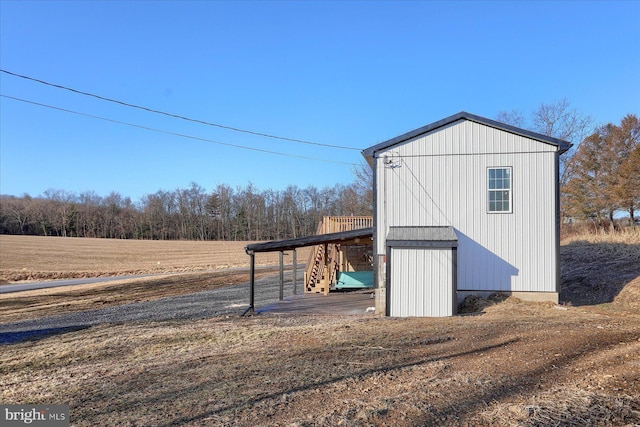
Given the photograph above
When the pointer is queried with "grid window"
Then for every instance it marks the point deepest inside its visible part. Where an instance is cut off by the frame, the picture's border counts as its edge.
(499, 187)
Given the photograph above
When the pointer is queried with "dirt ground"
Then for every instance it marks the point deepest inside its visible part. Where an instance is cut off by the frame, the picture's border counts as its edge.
(506, 363)
(513, 364)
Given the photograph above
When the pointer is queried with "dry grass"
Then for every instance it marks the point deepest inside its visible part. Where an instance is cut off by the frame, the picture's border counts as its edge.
(627, 235)
(566, 406)
(630, 295)
(26, 258)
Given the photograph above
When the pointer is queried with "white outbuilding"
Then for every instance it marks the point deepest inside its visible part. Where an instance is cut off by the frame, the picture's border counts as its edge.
(465, 205)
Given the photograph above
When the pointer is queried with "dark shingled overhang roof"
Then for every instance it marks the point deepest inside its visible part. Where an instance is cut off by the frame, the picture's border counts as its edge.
(561, 144)
(425, 236)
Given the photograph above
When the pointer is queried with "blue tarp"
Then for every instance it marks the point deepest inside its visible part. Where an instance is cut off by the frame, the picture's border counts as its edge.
(355, 280)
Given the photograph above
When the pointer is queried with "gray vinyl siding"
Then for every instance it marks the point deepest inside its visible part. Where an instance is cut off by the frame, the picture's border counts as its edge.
(440, 179)
(423, 282)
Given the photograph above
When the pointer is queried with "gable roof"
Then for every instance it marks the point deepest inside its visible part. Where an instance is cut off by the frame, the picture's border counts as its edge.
(561, 144)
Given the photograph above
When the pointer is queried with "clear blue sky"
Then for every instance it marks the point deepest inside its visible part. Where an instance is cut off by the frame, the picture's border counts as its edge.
(340, 73)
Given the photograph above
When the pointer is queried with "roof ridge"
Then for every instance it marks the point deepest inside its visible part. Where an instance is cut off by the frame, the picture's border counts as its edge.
(561, 144)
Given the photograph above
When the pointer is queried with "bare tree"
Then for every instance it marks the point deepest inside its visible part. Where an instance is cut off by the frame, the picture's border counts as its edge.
(363, 188)
(14, 214)
(559, 120)
(223, 200)
(513, 117)
(293, 206)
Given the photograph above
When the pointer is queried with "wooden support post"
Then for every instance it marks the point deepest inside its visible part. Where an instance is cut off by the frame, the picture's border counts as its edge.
(325, 273)
(281, 276)
(295, 272)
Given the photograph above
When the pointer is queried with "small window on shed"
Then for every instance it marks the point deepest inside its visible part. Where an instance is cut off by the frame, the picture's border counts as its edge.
(499, 190)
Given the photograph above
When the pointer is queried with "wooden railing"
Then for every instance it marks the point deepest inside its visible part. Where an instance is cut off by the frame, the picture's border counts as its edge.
(315, 265)
(335, 224)
(322, 265)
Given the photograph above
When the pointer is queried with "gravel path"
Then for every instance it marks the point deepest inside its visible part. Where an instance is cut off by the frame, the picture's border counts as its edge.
(230, 300)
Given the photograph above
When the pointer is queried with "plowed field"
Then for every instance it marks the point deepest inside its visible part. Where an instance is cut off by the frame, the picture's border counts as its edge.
(28, 258)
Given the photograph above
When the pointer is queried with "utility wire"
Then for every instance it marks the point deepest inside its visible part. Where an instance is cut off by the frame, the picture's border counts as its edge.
(176, 134)
(126, 104)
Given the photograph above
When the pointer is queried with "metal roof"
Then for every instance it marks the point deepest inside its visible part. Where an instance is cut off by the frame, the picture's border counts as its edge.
(343, 237)
(561, 144)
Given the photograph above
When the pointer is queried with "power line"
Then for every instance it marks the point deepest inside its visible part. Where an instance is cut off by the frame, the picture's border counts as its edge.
(151, 110)
(176, 134)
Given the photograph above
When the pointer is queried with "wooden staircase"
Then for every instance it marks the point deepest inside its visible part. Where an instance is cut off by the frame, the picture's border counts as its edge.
(324, 260)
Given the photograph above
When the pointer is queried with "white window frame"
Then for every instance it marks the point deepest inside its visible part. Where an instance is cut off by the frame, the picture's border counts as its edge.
(499, 187)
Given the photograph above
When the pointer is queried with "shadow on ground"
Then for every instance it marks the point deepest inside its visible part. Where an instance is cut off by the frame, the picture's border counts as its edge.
(36, 334)
(595, 273)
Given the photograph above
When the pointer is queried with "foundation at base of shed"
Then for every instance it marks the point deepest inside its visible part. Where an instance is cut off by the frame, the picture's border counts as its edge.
(380, 297)
(381, 301)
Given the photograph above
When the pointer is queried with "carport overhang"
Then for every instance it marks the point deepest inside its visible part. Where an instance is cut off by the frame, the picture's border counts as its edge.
(351, 237)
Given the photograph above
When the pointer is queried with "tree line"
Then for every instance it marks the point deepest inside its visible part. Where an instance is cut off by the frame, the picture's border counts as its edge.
(225, 213)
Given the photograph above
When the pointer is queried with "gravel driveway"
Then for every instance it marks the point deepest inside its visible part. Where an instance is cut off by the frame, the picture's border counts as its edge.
(230, 300)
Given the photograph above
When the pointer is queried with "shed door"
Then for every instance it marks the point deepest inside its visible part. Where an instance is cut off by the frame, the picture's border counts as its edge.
(422, 282)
